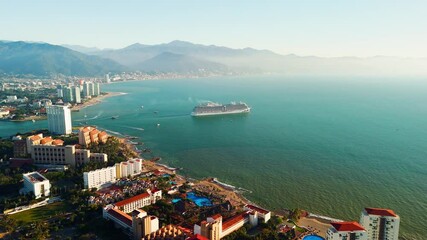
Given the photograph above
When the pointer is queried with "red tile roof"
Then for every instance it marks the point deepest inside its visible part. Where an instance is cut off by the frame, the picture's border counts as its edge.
(85, 130)
(381, 212)
(258, 209)
(121, 216)
(233, 221)
(216, 216)
(46, 140)
(132, 199)
(347, 226)
(198, 237)
(35, 137)
(57, 142)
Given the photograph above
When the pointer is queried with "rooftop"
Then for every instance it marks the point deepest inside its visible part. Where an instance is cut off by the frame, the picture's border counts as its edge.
(347, 226)
(35, 177)
(132, 199)
(381, 212)
(121, 216)
(258, 209)
(234, 220)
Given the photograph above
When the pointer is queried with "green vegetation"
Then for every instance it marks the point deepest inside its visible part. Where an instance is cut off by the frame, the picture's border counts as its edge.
(116, 150)
(6, 149)
(40, 213)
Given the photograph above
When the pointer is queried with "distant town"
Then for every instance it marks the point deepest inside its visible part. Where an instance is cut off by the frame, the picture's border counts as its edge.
(82, 183)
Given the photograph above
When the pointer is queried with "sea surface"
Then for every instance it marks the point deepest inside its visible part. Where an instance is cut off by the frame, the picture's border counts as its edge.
(328, 145)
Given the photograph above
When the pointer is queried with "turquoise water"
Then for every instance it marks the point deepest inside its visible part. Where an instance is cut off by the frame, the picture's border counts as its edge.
(313, 237)
(331, 146)
(198, 200)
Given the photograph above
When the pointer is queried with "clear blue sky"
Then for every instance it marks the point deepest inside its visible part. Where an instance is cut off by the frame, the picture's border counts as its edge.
(317, 27)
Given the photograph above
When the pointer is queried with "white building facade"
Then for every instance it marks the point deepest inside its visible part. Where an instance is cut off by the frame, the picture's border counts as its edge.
(37, 184)
(99, 177)
(59, 119)
(380, 223)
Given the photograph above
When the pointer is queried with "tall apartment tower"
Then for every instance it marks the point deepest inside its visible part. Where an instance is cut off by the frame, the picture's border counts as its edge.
(91, 89)
(380, 223)
(59, 119)
(59, 92)
(68, 94)
(86, 92)
(96, 89)
(76, 94)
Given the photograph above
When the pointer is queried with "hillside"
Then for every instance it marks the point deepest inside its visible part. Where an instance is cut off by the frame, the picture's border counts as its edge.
(45, 59)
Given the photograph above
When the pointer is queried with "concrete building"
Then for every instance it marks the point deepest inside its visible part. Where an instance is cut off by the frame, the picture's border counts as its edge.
(138, 223)
(86, 91)
(4, 112)
(214, 228)
(67, 94)
(380, 223)
(59, 119)
(142, 224)
(19, 148)
(130, 168)
(59, 92)
(346, 231)
(99, 177)
(37, 184)
(45, 150)
(76, 94)
(88, 135)
(91, 89)
(170, 232)
(96, 89)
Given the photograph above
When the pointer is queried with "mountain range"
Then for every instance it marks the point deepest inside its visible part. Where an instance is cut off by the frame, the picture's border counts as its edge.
(186, 57)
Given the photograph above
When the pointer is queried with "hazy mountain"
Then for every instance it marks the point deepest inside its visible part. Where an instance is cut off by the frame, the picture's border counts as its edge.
(82, 49)
(252, 60)
(179, 63)
(46, 59)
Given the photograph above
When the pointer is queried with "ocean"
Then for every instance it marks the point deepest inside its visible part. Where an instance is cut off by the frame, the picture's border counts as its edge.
(331, 146)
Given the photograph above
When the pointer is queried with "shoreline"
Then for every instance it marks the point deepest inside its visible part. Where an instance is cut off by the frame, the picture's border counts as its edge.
(96, 100)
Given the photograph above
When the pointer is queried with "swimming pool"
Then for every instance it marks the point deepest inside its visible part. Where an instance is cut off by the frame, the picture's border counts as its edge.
(313, 237)
(175, 200)
(199, 201)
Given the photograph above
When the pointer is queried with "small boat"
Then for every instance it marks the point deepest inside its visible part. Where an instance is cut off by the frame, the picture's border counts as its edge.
(33, 120)
(142, 106)
(114, 117)
(158, 124)
(155, 112)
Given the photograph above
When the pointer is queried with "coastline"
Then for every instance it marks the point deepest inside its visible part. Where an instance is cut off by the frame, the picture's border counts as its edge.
(96, 100)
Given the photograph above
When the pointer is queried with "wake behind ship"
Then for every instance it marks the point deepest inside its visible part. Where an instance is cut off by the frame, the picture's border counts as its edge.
(211, 108)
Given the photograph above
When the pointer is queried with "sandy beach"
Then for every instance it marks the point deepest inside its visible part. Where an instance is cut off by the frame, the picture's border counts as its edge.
(95, 100)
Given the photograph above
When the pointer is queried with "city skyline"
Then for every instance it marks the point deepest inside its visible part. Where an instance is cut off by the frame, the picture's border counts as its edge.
(325, 29)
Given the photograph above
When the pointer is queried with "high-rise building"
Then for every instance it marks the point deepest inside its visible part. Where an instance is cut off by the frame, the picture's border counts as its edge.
(88, 135)
(99, 177)
(347, 231)
(91, 89)
(86, 92)
(59, 92)
(59, 119)
(380, 223)
(67, 94)
(107, 78)
(96, 89)
(76, 95)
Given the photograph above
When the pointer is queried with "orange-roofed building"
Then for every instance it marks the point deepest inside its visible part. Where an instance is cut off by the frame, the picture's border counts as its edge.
(380, 223)
(346, 230)
(88, 135)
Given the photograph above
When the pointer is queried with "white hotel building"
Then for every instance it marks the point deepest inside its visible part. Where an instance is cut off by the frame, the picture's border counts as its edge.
(99, 177)
(37, 184)
(59, 119)
(380, 223)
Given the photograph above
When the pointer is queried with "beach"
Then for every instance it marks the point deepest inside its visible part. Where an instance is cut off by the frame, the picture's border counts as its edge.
(96, 100)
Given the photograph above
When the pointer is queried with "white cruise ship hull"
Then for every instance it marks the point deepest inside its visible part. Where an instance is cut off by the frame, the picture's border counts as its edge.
(220, 113)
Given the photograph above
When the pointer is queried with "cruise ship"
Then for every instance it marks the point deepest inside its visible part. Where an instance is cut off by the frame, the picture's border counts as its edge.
(211, 108)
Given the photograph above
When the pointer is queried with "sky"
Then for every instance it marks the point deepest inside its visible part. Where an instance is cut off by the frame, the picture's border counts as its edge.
(318, 27)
